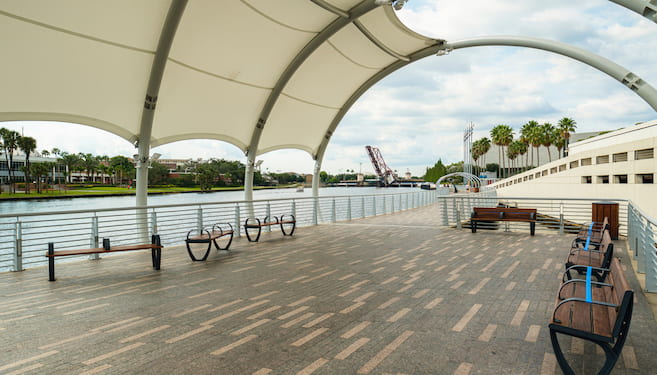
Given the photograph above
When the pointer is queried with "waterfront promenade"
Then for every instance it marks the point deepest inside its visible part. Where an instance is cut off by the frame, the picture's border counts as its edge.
(392, 294)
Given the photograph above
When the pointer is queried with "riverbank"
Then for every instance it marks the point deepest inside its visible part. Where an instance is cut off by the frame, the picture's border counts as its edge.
(92, 192)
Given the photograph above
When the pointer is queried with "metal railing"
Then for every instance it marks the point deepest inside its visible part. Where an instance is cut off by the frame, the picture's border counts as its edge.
(562, 215)
(24, 237)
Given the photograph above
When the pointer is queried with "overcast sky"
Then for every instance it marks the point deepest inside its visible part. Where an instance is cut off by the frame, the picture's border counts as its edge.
(418, 114)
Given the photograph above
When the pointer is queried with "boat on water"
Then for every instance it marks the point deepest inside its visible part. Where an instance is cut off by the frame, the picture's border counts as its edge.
(428, 186)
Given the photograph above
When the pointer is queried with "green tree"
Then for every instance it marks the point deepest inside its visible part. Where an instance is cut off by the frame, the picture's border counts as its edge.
(9, 145)
(39, 171)
(122, 167)
(71, 162)
(28, 145)
(502, 136)
(206, 174)
(434, 173)
(566, 125)
(157, 174)
(548, 137)
(526, 136)
(323, 176)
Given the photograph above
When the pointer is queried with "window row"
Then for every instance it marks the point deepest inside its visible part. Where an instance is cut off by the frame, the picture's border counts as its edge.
(644, 178)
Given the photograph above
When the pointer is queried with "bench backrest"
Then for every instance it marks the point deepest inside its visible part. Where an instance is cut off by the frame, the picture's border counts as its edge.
(622, 295)
(504, 213)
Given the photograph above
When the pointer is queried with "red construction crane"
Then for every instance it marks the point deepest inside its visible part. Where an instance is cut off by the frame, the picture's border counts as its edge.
(387, 175)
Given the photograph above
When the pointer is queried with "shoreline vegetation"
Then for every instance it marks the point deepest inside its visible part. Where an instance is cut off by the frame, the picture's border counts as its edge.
(105, 191)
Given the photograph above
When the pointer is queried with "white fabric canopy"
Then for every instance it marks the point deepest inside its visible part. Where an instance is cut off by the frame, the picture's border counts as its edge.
(90, 62)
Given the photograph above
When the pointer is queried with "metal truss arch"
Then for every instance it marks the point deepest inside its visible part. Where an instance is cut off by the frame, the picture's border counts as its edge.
(646, 8)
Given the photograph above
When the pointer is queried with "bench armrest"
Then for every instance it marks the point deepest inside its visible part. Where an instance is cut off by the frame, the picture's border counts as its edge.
(581, 300)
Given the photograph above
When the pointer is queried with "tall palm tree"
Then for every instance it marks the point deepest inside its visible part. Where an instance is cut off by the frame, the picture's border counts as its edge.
(565, 126)
(9, 145)
(526, 135)
(536, 140)
(548, 137)
(512, 154)
(71, 162)
(28, 145)
(517, 148)
(502, 136)
(485, 147)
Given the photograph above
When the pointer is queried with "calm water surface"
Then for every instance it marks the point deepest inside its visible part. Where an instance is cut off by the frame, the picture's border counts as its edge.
(49, 205)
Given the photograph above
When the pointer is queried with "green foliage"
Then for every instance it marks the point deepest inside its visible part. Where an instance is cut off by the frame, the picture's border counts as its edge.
(434, 173)
(157, 174)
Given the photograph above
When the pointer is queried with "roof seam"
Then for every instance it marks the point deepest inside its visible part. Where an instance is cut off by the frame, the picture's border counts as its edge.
(359, 25)
(256, 10)
(185, 65)
(309, 102)
(350, 59)
(74, 33)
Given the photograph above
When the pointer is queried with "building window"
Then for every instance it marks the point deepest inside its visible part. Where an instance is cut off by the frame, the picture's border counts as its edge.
(544, 173)
(574, 164)
(645, 178)
(602, 159)
(647, 153)
(603, 179)
(531, 177)
(562, 167)
(537, 175)
(524, 178)
(621, 156)
(553, 170)
(620, 178)
(584, 162)
(586, 179)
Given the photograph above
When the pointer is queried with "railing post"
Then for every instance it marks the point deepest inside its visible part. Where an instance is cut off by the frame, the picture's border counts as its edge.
(407, 194)
(18, 244)
(644, 247)
(445, 218)
(294, 208)
(199, 220)
(458, 214)
(237, 226)
(94, 243)
(348, 208)
(333, 211)
(315, 210)
(362, 207)
(385, 209)
(373, 205)
(154, 222)
(268, 213)
(561, 224)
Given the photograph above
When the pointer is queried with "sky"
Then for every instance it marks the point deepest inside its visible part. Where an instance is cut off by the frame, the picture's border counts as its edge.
(418, 114)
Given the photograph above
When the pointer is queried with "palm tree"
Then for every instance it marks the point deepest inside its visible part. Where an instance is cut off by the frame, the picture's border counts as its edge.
(28, 145)
(548, 137)
(517, 148)
(71, 162)
(502, 135)
(565, 126)
(512, 154)
(9, 145)
(536, 140)
(526, 136)
(485, 147)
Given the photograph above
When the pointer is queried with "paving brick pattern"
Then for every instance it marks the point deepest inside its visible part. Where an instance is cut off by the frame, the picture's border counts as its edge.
(393, 294)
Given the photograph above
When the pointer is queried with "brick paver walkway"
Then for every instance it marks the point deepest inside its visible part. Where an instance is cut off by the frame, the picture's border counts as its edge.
(394, 294)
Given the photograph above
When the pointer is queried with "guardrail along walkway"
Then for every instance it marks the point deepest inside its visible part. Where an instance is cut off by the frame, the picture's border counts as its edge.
(393, 294)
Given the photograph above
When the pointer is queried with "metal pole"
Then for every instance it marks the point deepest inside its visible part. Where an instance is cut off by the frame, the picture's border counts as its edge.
(153, 222)
(348, 208)
(237, 220)
(18, 244)
(333, 210)
(445, 219)
(94, 236)
(373, 205)
(268, 213)
(362, 207)
(561, 225)
(315, 210)
(199, 220)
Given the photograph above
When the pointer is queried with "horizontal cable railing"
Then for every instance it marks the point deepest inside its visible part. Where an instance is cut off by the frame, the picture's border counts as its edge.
(24, 237)
(562, 215)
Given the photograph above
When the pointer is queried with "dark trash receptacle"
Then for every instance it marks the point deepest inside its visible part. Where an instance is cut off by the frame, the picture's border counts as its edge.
(609, 209)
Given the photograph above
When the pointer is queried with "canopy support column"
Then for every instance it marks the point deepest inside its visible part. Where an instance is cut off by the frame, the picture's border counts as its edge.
(248, 183)
(316, 171)
(176, 10)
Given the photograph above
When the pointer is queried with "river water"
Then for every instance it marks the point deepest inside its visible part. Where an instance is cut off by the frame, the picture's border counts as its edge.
(65, 204)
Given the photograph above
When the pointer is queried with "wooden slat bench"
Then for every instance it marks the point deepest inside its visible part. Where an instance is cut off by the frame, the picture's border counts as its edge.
(290, 223)
(591, 233)
(589, 255)
(596, 311)
(155, 247)
(218, 231)
(488, 214)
